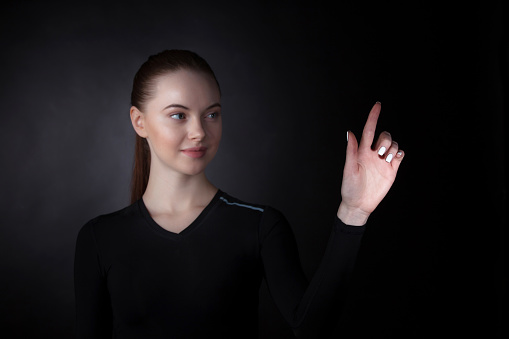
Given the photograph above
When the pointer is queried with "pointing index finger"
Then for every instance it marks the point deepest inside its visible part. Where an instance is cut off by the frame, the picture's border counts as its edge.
(368, 134)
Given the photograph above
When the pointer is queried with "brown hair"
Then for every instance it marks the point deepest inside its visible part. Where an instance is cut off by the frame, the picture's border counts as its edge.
(144, 88)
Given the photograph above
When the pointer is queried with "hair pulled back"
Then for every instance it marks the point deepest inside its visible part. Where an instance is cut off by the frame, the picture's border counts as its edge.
(144, 89)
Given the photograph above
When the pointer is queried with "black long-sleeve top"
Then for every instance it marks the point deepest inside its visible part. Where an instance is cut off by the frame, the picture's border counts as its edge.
(134, 279)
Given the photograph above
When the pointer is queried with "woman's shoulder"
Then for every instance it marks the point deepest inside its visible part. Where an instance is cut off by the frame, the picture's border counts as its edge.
(112, 221)
(267, 213)
(230, 201)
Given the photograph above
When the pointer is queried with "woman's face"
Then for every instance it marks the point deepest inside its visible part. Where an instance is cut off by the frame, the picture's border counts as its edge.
(182, 123)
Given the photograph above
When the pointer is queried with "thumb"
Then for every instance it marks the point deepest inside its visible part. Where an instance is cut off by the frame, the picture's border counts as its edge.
(351, 153)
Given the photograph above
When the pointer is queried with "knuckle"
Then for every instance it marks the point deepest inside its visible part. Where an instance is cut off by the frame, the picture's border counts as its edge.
(385, 136)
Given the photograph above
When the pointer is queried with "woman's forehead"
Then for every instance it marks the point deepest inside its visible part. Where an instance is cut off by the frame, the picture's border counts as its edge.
(187, 88)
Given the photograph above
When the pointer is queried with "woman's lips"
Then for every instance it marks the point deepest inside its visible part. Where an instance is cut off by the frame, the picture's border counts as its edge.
(195, 152)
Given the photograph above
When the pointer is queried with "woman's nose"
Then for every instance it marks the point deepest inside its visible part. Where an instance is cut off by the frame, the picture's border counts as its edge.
(196, 131)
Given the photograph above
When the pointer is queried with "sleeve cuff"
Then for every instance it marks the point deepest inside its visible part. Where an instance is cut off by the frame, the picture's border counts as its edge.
(342, 227)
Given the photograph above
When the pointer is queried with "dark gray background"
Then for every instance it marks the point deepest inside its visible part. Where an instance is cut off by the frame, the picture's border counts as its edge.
(295, 76)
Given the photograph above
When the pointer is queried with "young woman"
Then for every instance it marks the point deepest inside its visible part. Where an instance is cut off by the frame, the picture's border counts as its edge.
(185, 260)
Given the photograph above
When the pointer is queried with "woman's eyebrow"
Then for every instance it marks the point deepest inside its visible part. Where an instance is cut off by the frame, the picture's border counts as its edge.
(184, 107)
(214, 105)
(176, 105)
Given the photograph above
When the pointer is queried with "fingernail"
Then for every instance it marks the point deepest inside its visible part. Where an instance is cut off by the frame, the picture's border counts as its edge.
(381, 151)
(400, 153)
(389, 157)
(378, 102)
(346, 136)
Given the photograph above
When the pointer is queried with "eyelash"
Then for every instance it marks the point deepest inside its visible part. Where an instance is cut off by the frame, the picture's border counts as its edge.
(215, 115)
(177, 114)
(181, 116)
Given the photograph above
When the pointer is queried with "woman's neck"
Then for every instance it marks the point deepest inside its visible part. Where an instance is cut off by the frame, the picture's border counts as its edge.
(176, 193)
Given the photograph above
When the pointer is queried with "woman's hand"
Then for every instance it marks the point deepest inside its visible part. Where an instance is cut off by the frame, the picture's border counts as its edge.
(369, 173)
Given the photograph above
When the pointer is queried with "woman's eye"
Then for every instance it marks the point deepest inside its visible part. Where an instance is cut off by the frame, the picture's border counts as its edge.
(213, 115)
(177, 116)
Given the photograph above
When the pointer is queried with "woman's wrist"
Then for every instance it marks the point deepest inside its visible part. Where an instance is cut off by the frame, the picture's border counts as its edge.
(352, 216)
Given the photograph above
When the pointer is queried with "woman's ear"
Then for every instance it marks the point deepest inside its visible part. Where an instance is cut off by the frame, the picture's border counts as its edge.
(138, 121)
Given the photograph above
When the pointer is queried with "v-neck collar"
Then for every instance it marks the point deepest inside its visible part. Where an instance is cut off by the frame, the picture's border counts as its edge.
(168, 234)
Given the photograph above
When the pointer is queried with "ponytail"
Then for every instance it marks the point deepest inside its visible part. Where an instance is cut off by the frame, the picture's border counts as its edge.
(141, 170)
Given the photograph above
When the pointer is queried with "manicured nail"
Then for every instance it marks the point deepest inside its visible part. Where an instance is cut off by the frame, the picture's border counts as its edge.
(346, 136)
(399, 153)
(389, 157)
(378, 102)
(381, 151)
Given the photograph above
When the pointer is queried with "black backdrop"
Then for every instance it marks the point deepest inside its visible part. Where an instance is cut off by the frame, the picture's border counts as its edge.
(295, 76)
